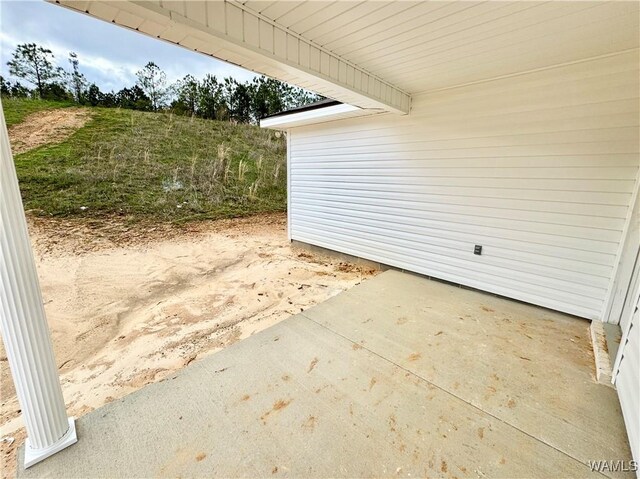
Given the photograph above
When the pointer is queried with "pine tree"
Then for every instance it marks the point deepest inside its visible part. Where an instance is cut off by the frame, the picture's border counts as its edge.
(153, 82)
(35, 65)
(77, 80)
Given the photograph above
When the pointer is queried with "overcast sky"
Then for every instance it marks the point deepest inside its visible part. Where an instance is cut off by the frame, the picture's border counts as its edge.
(109, 55)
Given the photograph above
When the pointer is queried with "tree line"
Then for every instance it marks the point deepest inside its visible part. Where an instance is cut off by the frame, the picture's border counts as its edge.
(225, 99)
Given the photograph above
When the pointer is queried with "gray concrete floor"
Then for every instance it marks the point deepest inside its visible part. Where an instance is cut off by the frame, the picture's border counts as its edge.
(400, 376)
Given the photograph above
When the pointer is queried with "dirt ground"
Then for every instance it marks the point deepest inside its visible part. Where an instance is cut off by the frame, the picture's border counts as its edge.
(127, 312)
(45, 127)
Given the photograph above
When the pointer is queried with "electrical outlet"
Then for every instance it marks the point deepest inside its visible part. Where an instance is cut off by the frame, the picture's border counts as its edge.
(477, 249)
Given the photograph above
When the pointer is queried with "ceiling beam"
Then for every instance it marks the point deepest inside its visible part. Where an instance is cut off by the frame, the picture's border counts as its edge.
(229, 31)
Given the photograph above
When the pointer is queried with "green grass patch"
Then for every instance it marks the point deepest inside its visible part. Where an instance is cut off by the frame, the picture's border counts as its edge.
(16, 109)
(156, 167)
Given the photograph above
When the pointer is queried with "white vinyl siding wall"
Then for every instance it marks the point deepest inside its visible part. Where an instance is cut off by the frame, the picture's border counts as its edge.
(627, 367)
(537, 168)
(628, 384)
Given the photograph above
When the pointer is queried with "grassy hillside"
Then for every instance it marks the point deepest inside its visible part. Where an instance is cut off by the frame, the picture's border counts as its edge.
(16, 109)
(155, 166)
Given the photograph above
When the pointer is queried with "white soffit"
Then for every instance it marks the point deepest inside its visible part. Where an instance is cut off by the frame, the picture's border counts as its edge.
(426, 46)
(374, 54)
(230, 31)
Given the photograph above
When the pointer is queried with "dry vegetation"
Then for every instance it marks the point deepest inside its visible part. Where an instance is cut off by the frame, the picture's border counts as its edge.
(156, 167)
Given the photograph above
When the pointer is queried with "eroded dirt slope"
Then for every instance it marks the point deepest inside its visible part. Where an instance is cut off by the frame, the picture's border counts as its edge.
(46, 127)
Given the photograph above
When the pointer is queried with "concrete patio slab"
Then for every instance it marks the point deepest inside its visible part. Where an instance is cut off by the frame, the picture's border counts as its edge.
(530, 367)
(400, 376)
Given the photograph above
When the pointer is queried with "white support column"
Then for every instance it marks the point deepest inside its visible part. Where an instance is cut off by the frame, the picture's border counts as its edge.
(23, 324)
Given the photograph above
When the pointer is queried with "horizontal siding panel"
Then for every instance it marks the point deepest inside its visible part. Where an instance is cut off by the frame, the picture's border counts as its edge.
(479, 192)
(441, 202)
(524, 248)
(559, 247)
(521, 261)
(497, 183)
(466, 266)
(470, 278)
(481, 125)
(510, 121)
(499, 126)
(592, 251)
(466, 149)
(617, 69)
(538, 169)
(566, 94)
(386, 160)
(443, 256)
(418, 170)
(573, 234)
(462, 212)
(478, 128)
(616, 134)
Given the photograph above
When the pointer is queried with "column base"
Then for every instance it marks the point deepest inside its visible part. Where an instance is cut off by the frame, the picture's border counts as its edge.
(33, 456)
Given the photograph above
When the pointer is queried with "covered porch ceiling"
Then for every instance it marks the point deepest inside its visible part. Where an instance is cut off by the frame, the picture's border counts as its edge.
(376, 54)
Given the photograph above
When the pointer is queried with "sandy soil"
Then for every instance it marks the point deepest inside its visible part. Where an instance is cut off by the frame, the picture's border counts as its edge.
(127, 313)
(46, 127)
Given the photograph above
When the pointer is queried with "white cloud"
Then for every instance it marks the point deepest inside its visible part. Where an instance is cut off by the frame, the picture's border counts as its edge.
(108, 55)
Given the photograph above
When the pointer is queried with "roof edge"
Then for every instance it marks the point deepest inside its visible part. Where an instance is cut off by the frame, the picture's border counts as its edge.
(299, 109)
(328, 111)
